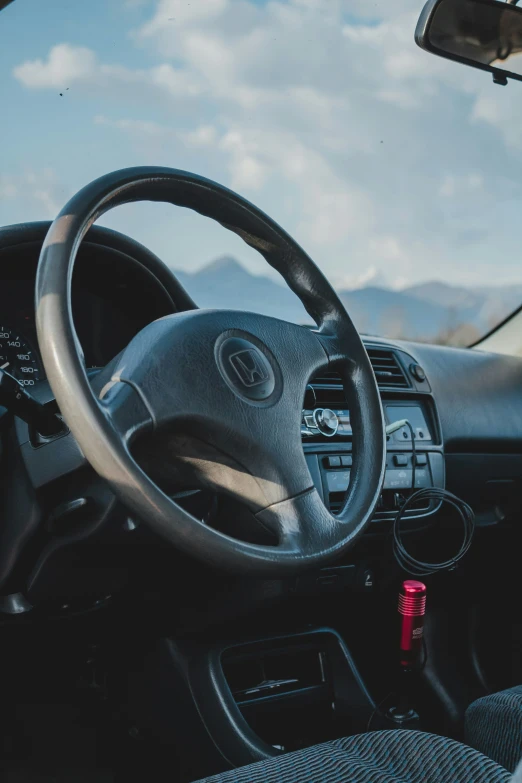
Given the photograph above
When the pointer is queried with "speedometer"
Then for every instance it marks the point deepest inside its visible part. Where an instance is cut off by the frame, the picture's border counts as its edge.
(17, 357)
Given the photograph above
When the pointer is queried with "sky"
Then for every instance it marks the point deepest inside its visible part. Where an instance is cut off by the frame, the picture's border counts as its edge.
(387, 164)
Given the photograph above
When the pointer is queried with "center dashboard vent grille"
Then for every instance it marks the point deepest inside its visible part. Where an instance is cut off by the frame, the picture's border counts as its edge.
(387, 369)
(328, 392)
(388, 372)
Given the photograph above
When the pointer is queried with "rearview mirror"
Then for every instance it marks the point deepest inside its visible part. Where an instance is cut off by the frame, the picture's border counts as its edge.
(485, 34)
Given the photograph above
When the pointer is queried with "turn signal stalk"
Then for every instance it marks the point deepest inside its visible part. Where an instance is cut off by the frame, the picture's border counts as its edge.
(15, 397)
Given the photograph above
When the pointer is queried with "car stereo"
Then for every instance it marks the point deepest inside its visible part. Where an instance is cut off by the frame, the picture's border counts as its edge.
(326, 422)
(327, 440)
(335, 422)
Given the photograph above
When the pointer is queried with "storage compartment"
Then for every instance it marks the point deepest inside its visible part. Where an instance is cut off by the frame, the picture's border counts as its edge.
(273, 673)
(299, 690)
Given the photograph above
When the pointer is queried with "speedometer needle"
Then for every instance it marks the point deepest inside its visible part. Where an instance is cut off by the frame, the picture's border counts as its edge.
(4, 366)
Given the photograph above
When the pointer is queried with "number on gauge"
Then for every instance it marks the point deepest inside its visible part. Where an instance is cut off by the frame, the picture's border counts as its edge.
(17, 356)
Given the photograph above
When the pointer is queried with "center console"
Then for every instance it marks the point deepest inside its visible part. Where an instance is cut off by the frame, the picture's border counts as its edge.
(235, 702)
(276, 681)
(326, 430)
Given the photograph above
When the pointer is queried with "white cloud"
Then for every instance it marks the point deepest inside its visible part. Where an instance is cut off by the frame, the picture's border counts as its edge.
(175, 82)
(452, 185)
(381, 9)
(140, 127)
(329, 207)
(366, 145)
(39, 191)
(502, 112)
(202, 136)
(177, 13)
(387, 248)
(399, 97)
(247, 169)
(65, 65)
(369, 277)
(8, 189)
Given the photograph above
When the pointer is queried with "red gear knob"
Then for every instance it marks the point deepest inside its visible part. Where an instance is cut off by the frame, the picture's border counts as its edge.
(412, 608)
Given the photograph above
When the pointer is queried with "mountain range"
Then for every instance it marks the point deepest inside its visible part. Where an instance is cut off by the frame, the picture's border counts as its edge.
(433, 310)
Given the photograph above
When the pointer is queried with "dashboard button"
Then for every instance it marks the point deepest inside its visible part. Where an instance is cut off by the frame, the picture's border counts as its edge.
(422, 478)
(418, 372)
(346, 462)
(400, 460)
(334, 462)
(398, 479)
(338, 480)
(421, 459)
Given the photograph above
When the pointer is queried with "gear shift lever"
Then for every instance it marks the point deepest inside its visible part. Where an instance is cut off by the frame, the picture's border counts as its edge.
(412, 608)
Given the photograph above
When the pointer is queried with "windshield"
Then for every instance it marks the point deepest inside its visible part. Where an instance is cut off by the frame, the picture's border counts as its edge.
(398, 172)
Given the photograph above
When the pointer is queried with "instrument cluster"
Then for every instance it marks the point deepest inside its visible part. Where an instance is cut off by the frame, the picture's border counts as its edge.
(18, 357)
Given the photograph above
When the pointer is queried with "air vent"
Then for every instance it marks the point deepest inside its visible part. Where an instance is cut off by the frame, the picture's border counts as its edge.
(328, 396)
(387, 369)
(328, 392)
(328, 378)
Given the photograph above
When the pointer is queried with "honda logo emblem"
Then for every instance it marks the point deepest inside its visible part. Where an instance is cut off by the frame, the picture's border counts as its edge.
(246, 369)
(249, 367)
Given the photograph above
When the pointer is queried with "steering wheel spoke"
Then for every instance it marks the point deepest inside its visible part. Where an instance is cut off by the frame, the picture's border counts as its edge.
(302, 523)
(126, 410)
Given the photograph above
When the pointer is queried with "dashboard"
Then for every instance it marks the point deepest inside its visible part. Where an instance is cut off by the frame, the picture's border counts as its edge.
(465, 406)
(462, 401)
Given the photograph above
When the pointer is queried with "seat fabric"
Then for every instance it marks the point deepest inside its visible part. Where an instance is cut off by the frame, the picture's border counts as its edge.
(377, 757)
(494, 726)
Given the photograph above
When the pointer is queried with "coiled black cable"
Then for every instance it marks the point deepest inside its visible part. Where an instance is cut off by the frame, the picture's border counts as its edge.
(417, 567)
(408, 562)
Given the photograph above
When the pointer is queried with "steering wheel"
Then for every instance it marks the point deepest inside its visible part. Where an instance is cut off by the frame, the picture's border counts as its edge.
(223, 388)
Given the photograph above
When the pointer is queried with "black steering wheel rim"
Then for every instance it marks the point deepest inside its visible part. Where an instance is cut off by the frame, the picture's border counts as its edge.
(135, 399)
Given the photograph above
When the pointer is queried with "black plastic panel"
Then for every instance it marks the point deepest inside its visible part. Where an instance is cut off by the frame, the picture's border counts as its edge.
(491, 483)
(478, 396)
